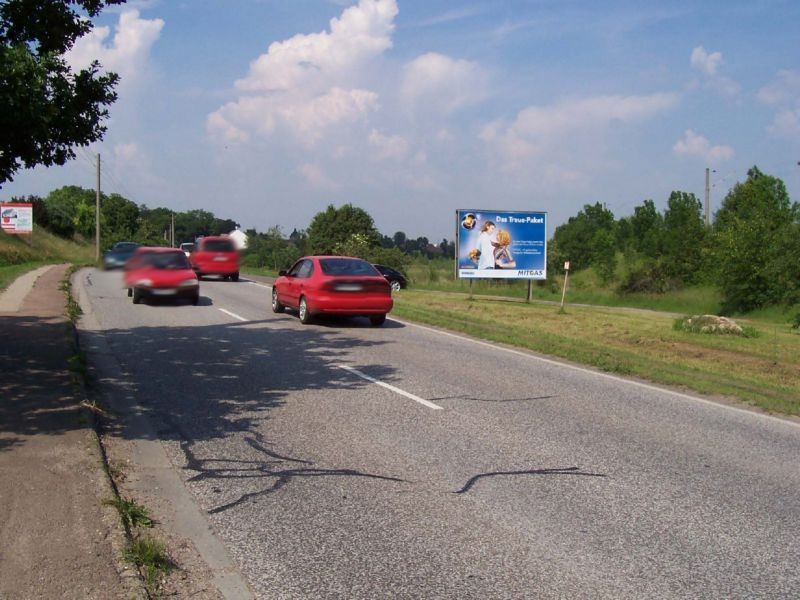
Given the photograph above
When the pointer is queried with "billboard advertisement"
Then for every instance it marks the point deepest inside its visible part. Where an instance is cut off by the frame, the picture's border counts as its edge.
(494, 244)
(16, 218)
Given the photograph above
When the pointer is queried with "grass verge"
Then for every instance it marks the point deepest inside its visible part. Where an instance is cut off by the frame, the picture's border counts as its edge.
(761, 370)
(131, 513)
(150, 555)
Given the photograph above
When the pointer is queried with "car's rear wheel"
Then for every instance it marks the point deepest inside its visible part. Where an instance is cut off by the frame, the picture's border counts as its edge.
(137, 296)
(235, 276)
(395, 286)
(377, 320)
(196, 299)
(303, 312)
(277, 307)
(130, 292)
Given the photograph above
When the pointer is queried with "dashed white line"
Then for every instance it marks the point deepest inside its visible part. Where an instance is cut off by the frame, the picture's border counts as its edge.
(396, 390)
(234, 315)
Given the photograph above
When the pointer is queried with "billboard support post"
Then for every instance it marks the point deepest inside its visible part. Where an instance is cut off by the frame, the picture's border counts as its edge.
(564, 291)
(530, 291)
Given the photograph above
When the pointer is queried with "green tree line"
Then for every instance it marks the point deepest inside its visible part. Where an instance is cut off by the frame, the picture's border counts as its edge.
(751, 250)
(70, 212)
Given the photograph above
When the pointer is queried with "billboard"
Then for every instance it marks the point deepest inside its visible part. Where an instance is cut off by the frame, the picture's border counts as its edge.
(16, 218)
(494, 244)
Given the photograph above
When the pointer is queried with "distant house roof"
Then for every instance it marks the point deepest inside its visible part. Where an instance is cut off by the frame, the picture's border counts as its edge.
(239, 238)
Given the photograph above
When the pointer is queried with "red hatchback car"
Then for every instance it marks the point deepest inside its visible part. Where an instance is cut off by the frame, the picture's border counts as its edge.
(161, 273)
(216, 255)
(337, 285)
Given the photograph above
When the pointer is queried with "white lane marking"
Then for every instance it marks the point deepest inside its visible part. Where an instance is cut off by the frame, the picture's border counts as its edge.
(234, 315)
(556, 363)
(250, 281)
(391, 387)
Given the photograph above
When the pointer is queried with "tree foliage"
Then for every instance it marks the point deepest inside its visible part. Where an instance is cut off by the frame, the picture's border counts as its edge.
(683, 238)
(45, 108)
(755, 244)
(336, 225)
(575, 239)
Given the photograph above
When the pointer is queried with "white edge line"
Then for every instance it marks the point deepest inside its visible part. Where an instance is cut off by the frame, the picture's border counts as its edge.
(234, 315)
(391, 387)
(600, 374)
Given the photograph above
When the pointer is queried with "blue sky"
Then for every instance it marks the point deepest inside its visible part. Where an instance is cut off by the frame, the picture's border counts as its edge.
(266, 111)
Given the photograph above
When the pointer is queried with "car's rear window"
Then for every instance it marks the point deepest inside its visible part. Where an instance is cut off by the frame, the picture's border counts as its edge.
(217, 246)
(166, 260)
(346, 266)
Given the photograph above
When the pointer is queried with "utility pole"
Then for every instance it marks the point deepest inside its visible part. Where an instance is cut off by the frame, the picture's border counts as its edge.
(708, 195)
(172, 229)
(97, 215)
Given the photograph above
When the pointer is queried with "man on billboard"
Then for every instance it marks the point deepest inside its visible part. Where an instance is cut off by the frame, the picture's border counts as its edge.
(486, 246)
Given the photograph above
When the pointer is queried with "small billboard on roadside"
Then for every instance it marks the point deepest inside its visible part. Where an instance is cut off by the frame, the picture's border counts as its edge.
(16, 217)
(501, 244)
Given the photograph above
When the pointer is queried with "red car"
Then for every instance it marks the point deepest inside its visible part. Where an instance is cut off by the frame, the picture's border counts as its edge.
(216, 255)
(161, 273)
(337, 285)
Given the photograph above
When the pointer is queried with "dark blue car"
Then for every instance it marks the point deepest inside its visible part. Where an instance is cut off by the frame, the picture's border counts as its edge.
(118, 254)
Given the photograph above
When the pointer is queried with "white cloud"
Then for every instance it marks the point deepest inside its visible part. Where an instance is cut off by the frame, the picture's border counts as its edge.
(786, 124)
(783, 94)
(394, 146)
(362, 32)
(709, 65)
(542, 125)
(705, 62)
(559, 144)
(693, 144)
(128, 52)
(315, 176)
(129, 153)
(307, 83)
(306, 119)
(446, 84)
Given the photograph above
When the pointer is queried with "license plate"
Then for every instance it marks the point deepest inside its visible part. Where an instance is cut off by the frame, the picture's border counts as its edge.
(163, 292)
(349, 287)
(220, 258)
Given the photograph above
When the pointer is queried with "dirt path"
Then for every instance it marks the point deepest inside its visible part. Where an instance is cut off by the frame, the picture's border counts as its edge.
(57, 539)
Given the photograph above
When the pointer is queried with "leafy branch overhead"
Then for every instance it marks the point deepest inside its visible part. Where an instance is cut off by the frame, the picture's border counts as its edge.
(46, 109)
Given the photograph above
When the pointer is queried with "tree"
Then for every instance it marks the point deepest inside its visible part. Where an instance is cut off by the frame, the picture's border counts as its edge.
(399, 240)
(71, 210)
(754, 233)
(684, 236)
(574, 239)
(119, 218)
(336, 225)
(604, 254)
(45, 108)
(647, 224)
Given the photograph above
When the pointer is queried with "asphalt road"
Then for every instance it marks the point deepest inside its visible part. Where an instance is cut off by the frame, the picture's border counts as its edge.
(338, 460)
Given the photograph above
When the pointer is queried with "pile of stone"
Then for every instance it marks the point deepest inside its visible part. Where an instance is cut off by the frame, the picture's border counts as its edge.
(712, 324)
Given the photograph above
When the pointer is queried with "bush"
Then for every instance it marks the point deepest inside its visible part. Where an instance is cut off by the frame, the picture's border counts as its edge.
(650, 279)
